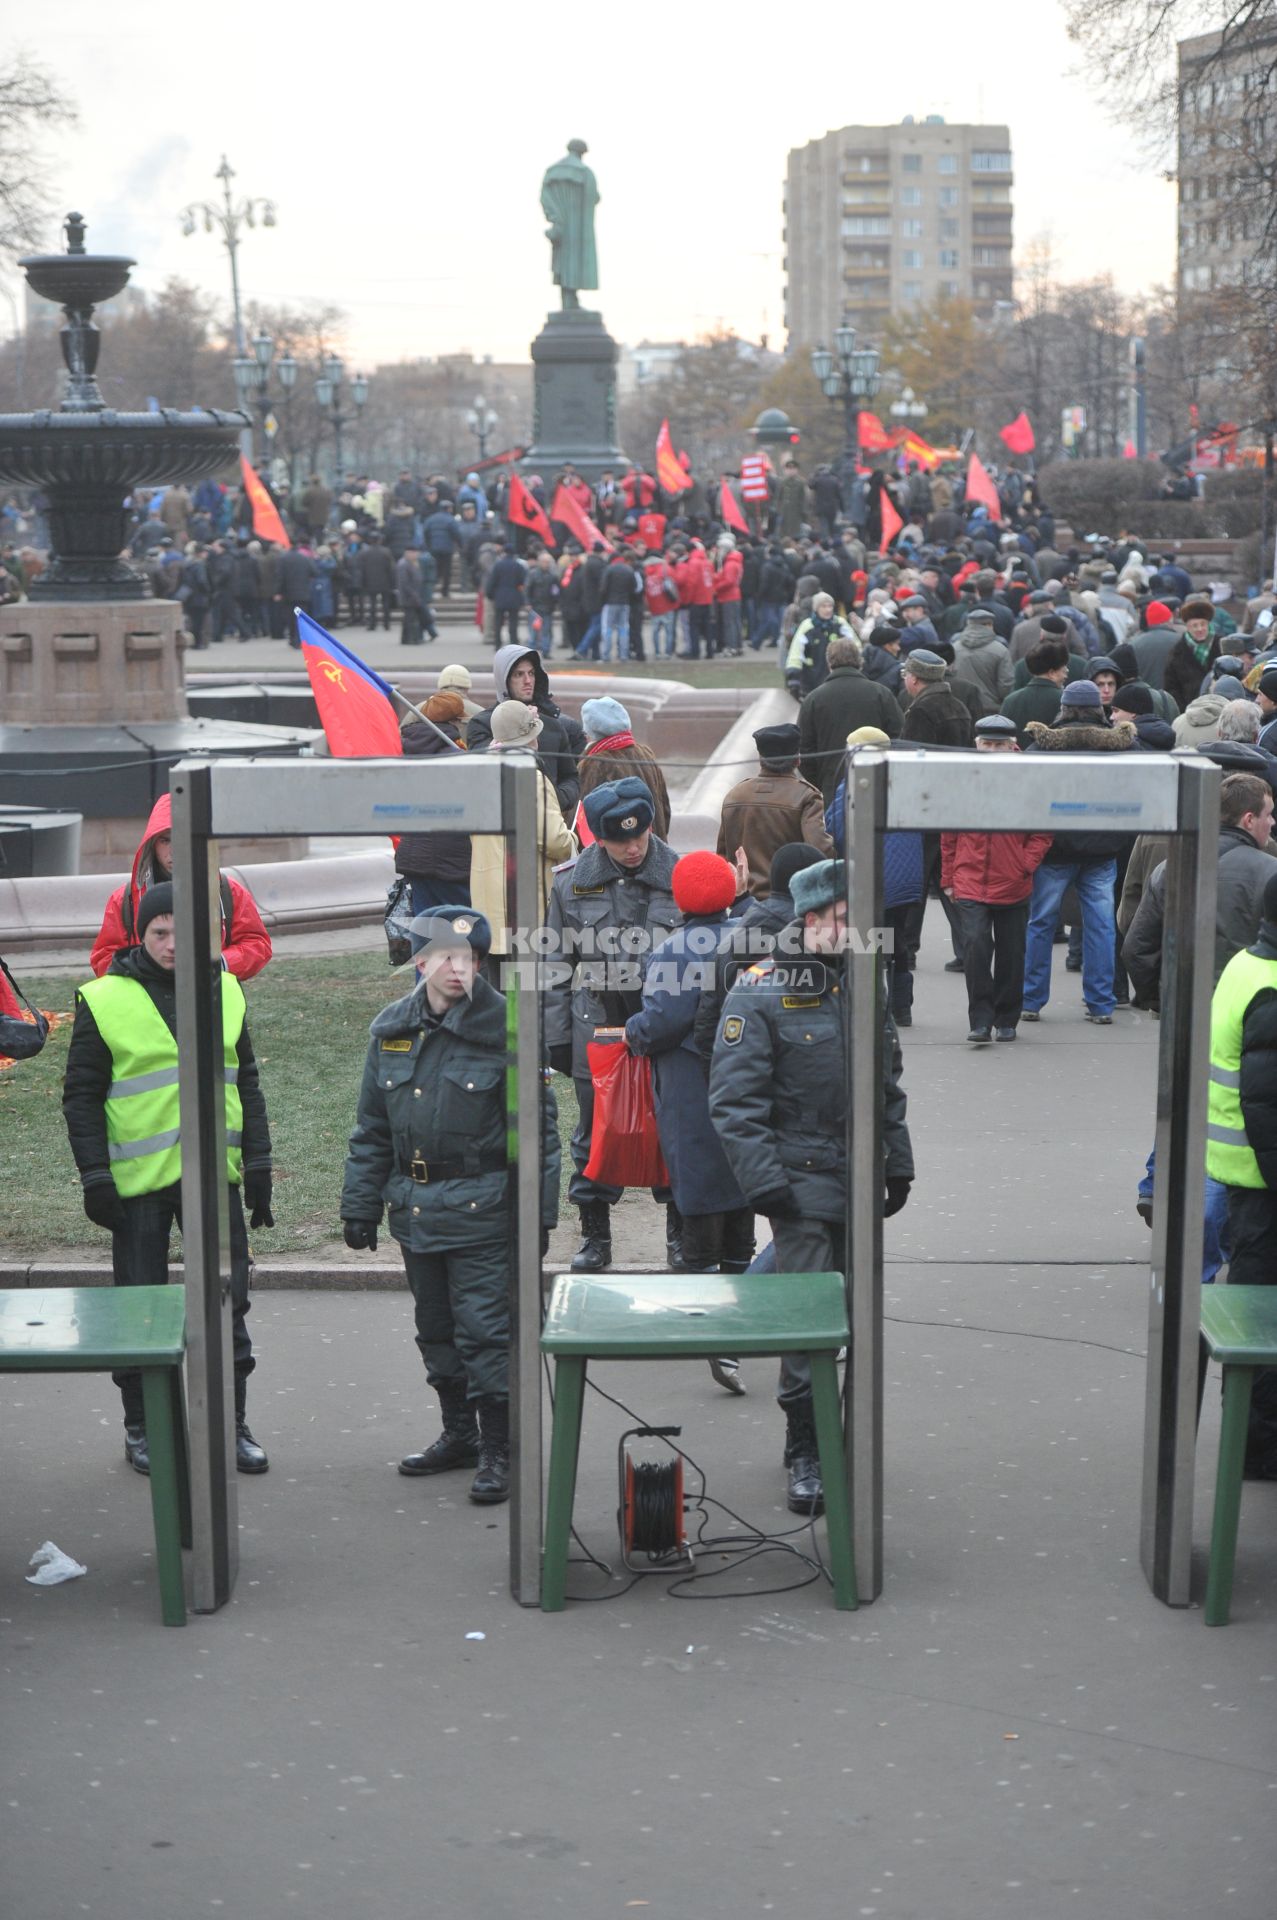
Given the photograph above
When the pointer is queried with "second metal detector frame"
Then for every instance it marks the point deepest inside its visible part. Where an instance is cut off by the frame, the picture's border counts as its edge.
(271, 798)
(991, 793)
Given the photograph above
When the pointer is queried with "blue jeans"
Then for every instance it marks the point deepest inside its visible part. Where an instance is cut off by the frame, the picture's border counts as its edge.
(765, 630)
(1094, 882)
(616, 628)
(663, 625)
(1216, 1242)
(590, 638)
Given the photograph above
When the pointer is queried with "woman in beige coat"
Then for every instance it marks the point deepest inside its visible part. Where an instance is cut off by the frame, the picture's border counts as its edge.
(515, 729)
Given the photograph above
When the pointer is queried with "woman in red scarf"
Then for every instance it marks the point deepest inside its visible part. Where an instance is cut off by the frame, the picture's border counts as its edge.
(612, 753)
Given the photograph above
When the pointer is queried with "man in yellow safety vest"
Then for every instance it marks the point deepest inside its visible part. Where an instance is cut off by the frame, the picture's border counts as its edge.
(120, 1102)
(1241, 1141)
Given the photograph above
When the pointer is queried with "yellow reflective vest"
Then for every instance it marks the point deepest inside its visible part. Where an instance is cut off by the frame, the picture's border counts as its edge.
(143, 1121)
(1230, 1157)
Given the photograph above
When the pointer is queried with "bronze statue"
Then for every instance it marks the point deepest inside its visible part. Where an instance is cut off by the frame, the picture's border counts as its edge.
(569, 196)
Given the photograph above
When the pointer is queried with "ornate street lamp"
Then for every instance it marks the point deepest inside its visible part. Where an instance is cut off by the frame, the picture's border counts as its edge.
(853, 379)
(482, 421)
(228, 219)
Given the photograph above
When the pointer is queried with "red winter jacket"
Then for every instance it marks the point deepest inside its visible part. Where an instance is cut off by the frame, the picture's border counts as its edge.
(696, 579)
(658, 576)
(250, 946)
(728, 577)
(639, 491)
(996, 869)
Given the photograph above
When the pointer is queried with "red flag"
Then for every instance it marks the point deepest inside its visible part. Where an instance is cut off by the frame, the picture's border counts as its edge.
(565, 509)
(1018, 436)
(668, 471)
(980, 488)
(267, 524)
(728, 510)
(874, 437)
(1129, 452)
(356, 708)
(525, 510)
(915, 448)
(891, 522)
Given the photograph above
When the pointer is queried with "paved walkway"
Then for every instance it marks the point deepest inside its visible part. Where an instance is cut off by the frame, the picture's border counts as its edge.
(1015, 1728)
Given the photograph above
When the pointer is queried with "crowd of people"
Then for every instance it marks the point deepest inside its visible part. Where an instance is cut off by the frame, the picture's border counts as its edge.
(961, 632)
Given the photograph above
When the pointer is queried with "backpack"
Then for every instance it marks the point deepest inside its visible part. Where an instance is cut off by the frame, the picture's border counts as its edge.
(228, 913)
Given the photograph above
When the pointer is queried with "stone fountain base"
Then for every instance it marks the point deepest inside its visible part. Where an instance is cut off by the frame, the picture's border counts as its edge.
(92, 663)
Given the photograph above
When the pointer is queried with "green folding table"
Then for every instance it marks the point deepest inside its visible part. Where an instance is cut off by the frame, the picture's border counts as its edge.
(1239, 1329)
(106, 1330)
(683, 1316)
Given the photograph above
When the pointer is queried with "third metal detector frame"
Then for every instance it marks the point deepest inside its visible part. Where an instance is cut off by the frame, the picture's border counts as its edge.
(991, 793)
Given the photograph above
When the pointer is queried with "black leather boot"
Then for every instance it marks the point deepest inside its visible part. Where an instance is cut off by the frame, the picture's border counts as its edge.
(674, 1239)
(491, 1485)
(135, 1449)
(594, 1255)
(249, 1457)
(457, 1445)
(806, 1493)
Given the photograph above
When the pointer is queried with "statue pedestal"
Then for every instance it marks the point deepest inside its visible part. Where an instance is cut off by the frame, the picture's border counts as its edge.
(574, 407)
(77, 662)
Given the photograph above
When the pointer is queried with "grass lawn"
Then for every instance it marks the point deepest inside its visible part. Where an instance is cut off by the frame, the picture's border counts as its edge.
(309, 1021)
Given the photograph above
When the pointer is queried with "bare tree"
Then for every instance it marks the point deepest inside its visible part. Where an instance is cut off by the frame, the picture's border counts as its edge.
(31, 102)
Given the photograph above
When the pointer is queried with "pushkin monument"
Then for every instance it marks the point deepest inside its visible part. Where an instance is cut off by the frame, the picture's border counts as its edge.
(574, 356)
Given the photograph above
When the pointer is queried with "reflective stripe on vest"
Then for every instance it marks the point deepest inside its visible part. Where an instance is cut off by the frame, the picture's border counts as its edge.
(1229, 1155)
(143, 1124)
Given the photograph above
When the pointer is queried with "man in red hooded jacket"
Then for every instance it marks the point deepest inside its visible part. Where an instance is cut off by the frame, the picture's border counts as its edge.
(246, 946)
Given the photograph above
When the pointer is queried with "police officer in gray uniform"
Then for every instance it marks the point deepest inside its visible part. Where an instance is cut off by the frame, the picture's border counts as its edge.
(430, 1143)
(777, 1099)
(608, 908)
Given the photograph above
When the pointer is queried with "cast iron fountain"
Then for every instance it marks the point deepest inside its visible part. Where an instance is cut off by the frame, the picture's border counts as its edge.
(85, 456)
(93, 708)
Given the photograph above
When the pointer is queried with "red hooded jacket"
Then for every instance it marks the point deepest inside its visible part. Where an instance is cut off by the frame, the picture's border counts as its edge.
(250, 946)
(728, 577)
(995, 868)
(696, 579)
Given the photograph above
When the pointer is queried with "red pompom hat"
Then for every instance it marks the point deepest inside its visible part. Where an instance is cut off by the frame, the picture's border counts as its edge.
(1157, 613)
(704, 883)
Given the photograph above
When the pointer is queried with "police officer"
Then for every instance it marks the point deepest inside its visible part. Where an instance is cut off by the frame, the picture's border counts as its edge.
(777, 1099)
(430, 1144)
(120, 1102)
(608, 908)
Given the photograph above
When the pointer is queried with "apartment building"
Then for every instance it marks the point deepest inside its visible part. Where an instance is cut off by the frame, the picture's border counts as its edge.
(879, 220)
(1227, 155)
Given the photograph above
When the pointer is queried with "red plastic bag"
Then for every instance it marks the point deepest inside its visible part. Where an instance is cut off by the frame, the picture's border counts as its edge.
(625, 1149)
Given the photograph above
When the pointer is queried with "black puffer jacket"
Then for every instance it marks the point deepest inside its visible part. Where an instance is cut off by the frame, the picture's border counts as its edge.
(562, 741)
(432, 856)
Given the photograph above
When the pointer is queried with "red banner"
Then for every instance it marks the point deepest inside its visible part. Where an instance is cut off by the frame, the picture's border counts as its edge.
(525, 510)
(669, 469)
(355, 707)
(267, 524)
(578, 522)
(874, 437)
(729, 511)
(891, 522)
(980, 488)
(1017, 436)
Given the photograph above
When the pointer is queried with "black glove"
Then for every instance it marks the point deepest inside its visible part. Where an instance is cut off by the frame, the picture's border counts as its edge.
(102, 1204)
(778, 1204)
(561, 1059)
(257, 1192)
(545, 1241)
(897, 1193)
(359, 1234)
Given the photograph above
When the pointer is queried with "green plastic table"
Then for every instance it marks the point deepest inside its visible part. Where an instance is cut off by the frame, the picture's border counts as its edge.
(104, 1330)
(1239, 1329)
(633, 1316)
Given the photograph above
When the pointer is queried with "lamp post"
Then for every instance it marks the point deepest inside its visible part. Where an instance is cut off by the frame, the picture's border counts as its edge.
(229, 219)
(328, 385)
(252, 383)
(850, 375)
(482, 421)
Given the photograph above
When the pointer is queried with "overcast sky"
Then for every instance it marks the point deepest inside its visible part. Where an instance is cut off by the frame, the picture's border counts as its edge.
(404, 147)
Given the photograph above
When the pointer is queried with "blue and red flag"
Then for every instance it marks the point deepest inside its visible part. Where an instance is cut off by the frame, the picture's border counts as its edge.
(356, 706)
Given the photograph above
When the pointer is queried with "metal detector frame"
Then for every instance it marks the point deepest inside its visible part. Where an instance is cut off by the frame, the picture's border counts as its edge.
(990, 793)
(270, 798)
